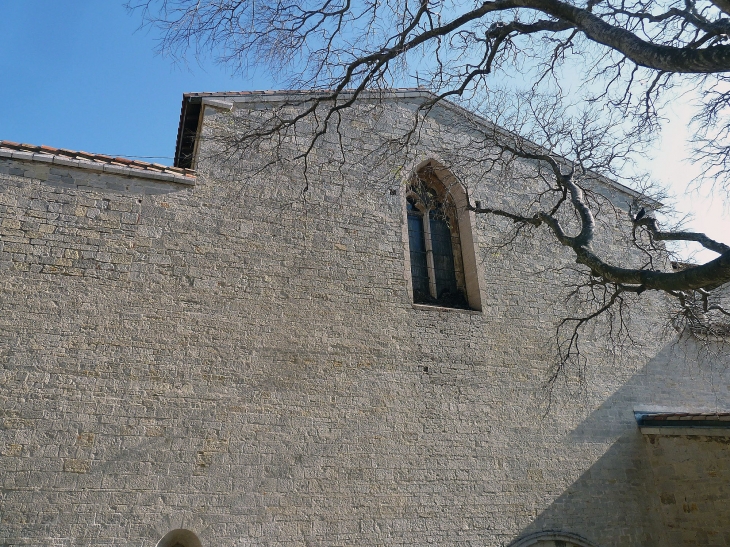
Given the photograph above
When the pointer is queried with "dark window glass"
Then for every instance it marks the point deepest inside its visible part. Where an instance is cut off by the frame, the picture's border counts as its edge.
(417, 245)
(443, 258)
(441, 285)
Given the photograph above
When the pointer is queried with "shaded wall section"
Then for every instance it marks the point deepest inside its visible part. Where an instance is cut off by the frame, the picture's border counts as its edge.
(652, 489)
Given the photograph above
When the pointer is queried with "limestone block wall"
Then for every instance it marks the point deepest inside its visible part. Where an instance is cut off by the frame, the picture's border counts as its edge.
(243, 361)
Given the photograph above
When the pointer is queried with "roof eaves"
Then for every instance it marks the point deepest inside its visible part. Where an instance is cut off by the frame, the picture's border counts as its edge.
(683, 423)
(289, 94)
(96, 162)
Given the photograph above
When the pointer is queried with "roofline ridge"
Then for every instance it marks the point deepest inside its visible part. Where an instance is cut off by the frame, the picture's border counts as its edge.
(420, 90)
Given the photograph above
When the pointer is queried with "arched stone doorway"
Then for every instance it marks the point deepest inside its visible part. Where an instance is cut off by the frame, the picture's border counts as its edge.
(553, 539)
(180, 538)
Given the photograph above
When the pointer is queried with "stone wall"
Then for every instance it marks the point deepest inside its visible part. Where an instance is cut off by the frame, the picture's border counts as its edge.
(244, 361)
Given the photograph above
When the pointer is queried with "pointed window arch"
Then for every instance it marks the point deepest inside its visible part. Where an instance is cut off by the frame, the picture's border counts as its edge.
(442, 263)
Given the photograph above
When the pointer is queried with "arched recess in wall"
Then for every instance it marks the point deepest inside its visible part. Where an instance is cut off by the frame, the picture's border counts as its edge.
(441, 246)
(552, 539)
(180, 538)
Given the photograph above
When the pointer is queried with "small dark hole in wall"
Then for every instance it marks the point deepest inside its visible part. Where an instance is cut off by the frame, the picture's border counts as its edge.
(393, 192)
(424, 369)
(139, 200)
(478, 204)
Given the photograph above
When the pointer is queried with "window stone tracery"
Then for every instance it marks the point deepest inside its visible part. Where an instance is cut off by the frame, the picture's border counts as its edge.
(434, 242)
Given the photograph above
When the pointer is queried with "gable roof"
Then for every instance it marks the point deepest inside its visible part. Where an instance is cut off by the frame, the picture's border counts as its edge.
(95, 162)
(192, 103)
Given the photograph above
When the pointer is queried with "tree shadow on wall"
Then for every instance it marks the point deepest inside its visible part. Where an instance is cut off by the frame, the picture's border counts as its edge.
(649, 490)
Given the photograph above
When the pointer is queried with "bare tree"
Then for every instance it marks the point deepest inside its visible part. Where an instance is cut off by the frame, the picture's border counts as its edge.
(631, 58)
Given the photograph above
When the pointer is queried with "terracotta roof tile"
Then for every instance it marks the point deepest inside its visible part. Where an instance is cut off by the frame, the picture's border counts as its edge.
(92, 160)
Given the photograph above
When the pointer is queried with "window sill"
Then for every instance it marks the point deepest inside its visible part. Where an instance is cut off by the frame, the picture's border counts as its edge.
(428, 307)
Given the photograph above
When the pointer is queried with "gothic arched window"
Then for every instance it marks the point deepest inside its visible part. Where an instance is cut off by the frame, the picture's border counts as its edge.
(437, 265)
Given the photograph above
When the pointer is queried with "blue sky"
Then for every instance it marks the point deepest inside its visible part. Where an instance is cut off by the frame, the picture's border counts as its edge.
(79, 74)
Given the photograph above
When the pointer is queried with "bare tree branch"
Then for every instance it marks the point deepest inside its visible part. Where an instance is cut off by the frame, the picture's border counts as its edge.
(629, 55)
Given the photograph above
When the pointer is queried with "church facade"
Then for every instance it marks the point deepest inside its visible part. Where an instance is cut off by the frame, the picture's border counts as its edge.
(239, 351)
